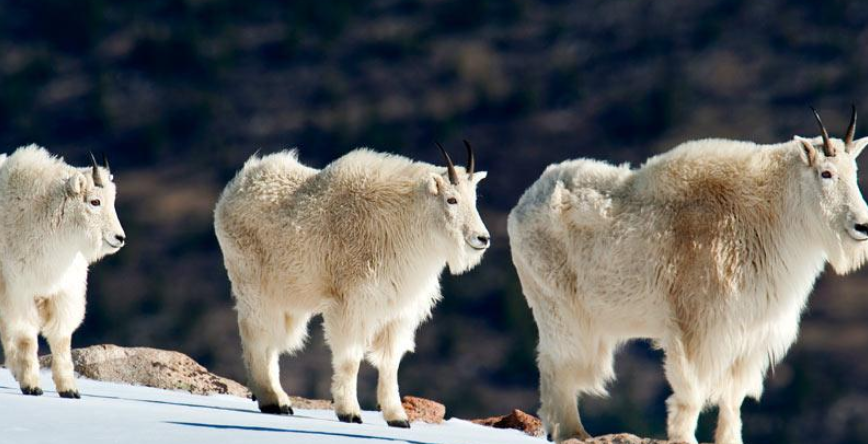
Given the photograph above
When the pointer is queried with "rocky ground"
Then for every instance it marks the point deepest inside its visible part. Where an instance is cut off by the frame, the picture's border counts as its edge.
(172, 370)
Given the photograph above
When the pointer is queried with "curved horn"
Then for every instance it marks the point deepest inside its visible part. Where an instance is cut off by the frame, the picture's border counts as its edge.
(471, 160)
(828, 149)
(851, 129)
(97, 179)
(105, 163)
(450, 167)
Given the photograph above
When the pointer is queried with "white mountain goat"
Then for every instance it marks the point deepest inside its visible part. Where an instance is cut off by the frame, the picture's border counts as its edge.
(55, 219)
(710, 250)
(363, 242)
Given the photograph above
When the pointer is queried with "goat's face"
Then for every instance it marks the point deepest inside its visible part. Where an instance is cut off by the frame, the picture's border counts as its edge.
(831, 188)
(464, 234)
(91, 200)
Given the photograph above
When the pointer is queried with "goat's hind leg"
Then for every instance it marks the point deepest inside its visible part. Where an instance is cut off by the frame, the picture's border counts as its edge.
(347, 340)
(19, 329)
(564, 376)
(263, 338)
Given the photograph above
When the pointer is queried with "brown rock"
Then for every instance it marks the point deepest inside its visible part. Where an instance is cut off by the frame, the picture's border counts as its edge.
(517, 420)
(157, 368)
(621, 438)
(421, 409)
(310, 404)
(149, 367)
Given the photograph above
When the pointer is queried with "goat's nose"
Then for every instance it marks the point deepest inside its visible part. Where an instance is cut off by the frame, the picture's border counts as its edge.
(484, 240)
(121, 238)
(862, 228)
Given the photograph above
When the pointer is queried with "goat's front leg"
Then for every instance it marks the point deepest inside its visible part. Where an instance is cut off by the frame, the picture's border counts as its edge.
(347, 345)
(687, 398)
(389, 346)
(729, 419)
(62, 369)
(745, 377)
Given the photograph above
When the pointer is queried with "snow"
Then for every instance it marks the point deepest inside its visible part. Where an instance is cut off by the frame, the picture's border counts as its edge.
(118, 413)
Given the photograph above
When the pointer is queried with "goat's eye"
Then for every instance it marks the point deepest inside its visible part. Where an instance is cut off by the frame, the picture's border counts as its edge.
(452, 201)
(95, 202)
(826, 174)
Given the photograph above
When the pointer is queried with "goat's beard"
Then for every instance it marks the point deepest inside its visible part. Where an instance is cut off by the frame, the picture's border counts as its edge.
(96, 247)
(465, 260)
(847, 255)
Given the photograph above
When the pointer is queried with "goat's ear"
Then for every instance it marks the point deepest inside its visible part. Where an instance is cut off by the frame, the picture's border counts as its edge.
(858, 146)
(76, 184)
(436, 184)
(809, 153)
(478, 176)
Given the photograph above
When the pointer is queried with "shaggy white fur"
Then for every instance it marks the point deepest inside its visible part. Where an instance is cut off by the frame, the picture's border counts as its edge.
(711, 250)
(54, 220)
(363, 242)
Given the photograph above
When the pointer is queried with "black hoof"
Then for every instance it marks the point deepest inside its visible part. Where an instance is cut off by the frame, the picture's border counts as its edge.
(400, 423)
(70, 394)
(253, 397)
(350, 418)
(276, 409)
(549, 437)
(31, 391)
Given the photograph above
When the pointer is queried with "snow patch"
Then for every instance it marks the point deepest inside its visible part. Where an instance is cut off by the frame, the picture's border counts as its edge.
(118, 413)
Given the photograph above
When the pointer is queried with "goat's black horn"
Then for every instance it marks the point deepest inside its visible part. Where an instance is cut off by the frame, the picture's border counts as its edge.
(471, 160)
(828, 149)
(97, 179)
(851, 128)
(450, 167)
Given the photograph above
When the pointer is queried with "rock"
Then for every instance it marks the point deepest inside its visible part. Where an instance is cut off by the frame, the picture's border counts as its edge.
(531, 425)
(149, 367)
(421, 409)
(621, 438)
(310, 404)
(517, 420)
(157, 368)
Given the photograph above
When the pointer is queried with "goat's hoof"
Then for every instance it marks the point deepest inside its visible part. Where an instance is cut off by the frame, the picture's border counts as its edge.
(70, 394)
(400, 423)
(275, 409)
(549, 437)
(31, 391)
(350, 418)
(253, 397)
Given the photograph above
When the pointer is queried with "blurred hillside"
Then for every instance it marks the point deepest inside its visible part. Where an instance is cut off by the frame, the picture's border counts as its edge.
(180, 92)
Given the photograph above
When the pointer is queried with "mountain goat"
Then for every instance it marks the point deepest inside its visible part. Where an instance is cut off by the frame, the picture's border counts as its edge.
(362, 242)
(55, 220)
(710, 250)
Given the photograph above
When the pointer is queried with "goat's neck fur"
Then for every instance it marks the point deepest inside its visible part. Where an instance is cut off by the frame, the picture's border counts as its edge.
(774, 245)
(399, 218)
(791, 249)
(47, 202)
